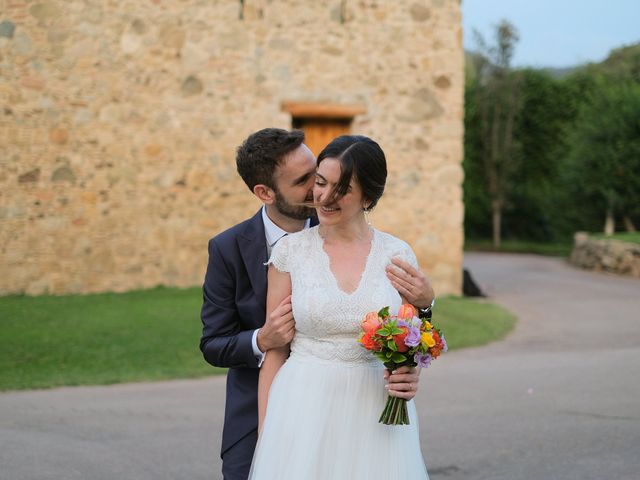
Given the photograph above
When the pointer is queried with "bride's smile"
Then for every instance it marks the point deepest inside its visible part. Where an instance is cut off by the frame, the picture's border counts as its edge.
(334, 209)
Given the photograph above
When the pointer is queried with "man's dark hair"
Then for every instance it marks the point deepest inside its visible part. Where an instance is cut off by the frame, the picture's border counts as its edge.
(361, 158)
(260, 154)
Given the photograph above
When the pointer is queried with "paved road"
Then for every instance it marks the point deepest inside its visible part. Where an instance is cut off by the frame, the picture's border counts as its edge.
(558, 399)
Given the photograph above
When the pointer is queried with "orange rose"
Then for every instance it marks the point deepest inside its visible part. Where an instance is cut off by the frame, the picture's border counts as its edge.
(435, 352)
(437, 348)
(407, 312)
(371, 322)
(399, 339)
(367, 340)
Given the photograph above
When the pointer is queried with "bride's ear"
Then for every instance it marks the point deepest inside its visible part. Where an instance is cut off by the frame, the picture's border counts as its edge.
(265, 194)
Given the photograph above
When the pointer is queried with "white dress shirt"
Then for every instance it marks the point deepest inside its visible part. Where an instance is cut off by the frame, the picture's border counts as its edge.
(272, 233)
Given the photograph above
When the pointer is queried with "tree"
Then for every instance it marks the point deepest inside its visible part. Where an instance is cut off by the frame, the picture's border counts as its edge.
(605, 153)
(477, 203)
(545, 196)
(496, 95)
(546, 111)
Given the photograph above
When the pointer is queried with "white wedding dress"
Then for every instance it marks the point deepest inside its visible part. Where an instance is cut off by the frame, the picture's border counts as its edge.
(325, 402)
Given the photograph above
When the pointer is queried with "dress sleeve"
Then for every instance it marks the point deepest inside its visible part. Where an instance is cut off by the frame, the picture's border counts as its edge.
(405, 252)
(280, 256)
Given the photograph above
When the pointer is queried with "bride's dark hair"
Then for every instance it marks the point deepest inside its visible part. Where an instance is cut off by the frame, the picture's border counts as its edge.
(360, 158)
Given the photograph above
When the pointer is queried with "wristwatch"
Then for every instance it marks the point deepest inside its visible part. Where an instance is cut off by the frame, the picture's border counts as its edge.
(426, 312)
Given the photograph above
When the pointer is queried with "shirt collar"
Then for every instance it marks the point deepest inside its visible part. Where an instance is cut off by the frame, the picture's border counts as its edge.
(273, 232)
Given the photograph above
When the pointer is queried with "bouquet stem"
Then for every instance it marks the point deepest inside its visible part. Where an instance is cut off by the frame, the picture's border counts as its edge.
(395, 412)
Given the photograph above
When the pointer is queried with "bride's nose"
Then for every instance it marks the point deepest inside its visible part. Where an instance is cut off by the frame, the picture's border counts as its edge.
(318, 194)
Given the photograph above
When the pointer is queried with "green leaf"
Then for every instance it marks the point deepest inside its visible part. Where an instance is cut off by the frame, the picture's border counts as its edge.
(398, 358)
(392, 345)
(384, 312)
(388, 355)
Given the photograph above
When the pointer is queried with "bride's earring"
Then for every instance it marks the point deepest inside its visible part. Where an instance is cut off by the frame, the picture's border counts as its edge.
(366, 215)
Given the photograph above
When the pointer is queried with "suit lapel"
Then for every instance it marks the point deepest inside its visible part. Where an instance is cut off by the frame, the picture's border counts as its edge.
(253, 249)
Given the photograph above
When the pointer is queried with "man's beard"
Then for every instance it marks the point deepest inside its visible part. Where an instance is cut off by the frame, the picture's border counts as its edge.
(297, 212)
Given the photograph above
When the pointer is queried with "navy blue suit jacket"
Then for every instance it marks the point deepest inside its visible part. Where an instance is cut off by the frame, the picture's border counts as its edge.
(234, 305)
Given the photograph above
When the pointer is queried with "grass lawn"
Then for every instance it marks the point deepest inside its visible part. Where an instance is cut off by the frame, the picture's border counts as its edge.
(561, 249)
(98, 339)
(469, 322)
(152, 335)
(631, 237)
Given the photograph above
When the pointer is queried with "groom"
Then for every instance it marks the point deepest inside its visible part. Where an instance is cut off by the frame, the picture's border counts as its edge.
(279, 169)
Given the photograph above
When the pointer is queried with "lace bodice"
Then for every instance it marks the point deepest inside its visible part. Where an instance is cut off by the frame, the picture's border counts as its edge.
(327, 318)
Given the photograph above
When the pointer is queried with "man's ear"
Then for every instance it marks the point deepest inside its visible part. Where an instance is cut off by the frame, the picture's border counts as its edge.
(264, 193)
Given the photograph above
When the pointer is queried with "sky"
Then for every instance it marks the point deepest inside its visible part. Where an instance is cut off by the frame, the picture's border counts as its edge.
(556, 33)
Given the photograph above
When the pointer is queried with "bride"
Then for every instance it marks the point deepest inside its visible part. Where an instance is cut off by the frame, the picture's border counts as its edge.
(320, 398)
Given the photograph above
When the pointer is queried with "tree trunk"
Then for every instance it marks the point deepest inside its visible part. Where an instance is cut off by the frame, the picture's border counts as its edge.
(494, 176)
(609, 223)
(628, 224)
(496, 217)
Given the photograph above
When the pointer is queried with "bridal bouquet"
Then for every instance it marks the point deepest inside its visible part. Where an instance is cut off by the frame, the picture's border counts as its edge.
(400, 340)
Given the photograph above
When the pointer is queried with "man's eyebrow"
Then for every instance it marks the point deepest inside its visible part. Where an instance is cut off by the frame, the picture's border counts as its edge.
(303, 178)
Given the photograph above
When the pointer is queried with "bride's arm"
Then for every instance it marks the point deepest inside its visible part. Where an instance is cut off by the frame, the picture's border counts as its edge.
(279, 288)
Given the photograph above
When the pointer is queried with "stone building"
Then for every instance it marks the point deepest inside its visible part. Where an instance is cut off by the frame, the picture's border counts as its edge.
(119, 122)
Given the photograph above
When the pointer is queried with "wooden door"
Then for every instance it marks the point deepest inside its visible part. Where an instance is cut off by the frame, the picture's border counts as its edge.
(319, 132)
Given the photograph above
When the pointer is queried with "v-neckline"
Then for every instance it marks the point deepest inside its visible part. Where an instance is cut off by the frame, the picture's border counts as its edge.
(364, 270)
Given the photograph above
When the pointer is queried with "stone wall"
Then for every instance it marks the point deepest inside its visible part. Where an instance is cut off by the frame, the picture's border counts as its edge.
(119, 122)
(606, 255)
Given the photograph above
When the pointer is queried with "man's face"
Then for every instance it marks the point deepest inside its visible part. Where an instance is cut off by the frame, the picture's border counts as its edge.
(294, 179)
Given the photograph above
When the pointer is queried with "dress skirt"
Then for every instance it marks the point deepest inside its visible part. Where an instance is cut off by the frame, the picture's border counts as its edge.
(322, 423)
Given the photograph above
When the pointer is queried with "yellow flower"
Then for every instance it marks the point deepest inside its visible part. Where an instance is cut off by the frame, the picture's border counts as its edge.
(427, 325)
(427, 339)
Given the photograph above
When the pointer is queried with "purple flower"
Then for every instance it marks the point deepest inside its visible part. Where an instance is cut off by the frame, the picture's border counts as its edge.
(413, 337)
(415, 322)
(422, 359)
(445, 348)
(402, 323)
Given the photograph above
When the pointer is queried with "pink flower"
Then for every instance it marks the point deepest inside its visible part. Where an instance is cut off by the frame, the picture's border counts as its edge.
(371, 322)
(407, 311)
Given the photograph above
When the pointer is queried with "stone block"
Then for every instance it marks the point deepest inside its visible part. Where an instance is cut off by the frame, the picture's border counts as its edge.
(7, 28)
(605, 255)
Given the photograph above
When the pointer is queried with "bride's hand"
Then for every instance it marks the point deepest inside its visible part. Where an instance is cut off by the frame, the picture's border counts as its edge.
(403, 383)
(412, 284)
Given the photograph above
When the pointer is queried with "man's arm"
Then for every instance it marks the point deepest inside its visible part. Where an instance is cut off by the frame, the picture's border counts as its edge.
(224, 343)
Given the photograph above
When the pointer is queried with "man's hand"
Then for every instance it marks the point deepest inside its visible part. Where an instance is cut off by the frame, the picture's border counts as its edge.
(412, 284)
(403, 383)
(279, 327)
